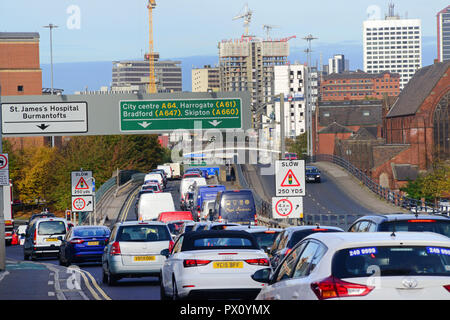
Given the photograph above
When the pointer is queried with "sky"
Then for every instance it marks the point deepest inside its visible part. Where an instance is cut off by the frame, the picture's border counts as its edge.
(108, 30)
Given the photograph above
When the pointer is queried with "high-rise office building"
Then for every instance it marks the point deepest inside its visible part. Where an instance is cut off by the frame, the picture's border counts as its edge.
(393, 45)
(205, 79)
(443, 34)
(247, 64)
(336, 64)
(129, 75)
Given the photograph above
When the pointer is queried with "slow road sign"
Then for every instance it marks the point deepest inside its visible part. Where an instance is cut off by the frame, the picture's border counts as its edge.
(290, 178)
(224, 113)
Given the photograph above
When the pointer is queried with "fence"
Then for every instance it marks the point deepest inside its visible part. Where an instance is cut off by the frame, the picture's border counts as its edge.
(416, 206)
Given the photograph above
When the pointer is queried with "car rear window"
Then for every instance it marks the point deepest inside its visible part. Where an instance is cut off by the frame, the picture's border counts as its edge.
(97, 232)
(391, 261)
(431, 225)
(175, 227)
(265, 238)
(297, 236)
(224, 242)
(51, 227)
(143, 233)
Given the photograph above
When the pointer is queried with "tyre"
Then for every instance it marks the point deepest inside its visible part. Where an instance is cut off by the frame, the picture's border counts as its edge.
(104, 277)
(26, 257)
(175, 290)
(162, 292)
(112, 280)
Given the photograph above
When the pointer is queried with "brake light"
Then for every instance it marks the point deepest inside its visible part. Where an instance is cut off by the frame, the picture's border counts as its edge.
(320, 229)
(256, 220)
(422, 220)
(447, 287)
(332, 287)
(171, 243)
(258, 262)
(195, 263)
(35, 236)
(269, 231)
(8, 223)
(76, 241)
(115, 249)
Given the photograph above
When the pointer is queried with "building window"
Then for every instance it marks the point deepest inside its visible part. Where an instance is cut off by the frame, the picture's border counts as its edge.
(20, 88)
(441, 128)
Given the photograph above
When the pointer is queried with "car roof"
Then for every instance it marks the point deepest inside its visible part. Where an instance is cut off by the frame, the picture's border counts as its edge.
(341, 240)
(253, 229)
(401, 216)
(90, 227)
(51, 219)
(309, 227)
(136, 223)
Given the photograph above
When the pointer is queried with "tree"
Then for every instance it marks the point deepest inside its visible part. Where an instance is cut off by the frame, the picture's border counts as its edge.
(298, 145)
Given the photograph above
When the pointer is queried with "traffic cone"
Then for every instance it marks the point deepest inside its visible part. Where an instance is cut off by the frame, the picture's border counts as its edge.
(15, 239)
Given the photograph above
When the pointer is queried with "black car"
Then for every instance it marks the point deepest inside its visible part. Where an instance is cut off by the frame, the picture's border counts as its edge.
(289, 237)
(402, 222)
(312, 174)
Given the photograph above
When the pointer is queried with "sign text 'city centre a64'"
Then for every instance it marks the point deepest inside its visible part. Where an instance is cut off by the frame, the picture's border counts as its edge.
(147, 115)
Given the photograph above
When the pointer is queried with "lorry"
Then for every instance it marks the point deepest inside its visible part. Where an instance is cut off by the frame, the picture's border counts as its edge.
(176, 170)
(8, 213)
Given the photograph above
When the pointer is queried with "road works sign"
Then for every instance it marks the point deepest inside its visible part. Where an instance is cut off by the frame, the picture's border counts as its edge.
(224, 113)
(287, 207)
(290, 178)
(82, 183)
(82, 203)
(52, 117)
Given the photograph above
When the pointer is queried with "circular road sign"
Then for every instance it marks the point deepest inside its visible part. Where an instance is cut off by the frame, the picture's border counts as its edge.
(79, 203)
(284, 207)
(3, 161)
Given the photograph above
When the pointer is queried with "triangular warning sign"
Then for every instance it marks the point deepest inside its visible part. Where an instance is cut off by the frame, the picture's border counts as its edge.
(291, 180)
(82, 185)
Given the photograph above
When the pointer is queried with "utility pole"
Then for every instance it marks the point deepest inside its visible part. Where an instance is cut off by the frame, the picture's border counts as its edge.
(282, 125)
(51, 26)
(308, 51)
(2, 213)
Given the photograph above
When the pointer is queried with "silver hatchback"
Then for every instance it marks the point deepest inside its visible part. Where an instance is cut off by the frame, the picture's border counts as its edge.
(134, 250)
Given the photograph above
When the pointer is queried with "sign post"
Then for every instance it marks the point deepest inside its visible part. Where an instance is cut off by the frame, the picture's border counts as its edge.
(83, 193)
(2, 213)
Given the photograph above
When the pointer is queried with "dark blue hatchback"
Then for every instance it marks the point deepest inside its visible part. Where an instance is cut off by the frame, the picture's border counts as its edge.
(83, 244)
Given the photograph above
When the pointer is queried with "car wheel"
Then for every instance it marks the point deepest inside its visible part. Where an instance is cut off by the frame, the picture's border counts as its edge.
(112, 280)
(26, 257)
(162, 292)
(33, 257)
(175, 290)
(104, 277)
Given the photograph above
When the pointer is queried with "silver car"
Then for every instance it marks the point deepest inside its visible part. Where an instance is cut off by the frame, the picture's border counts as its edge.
(134, 250)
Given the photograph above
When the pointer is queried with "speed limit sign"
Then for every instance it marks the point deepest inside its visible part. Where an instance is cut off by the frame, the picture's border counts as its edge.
(287, 207)
(82, 203)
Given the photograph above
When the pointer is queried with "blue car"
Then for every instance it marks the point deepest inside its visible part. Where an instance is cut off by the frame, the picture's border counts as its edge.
(312, 174)
(83, 244)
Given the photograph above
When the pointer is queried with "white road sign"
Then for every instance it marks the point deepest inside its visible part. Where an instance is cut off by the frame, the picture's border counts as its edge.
(287, 207)
(82, 183)
(290, 178)
(82, 203)
(4, 169)
(32, 118)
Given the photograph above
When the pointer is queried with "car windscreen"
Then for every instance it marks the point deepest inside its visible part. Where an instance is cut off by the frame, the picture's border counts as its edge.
(143, 233)
(431, 225)
(312, 170)
(150, 187)
(297, 236)
(391, 261)
(237, 206)
(51, 227)
(90, 232)
(265, 239)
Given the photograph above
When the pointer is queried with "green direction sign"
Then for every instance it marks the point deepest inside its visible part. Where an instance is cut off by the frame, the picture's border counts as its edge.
(145, 115)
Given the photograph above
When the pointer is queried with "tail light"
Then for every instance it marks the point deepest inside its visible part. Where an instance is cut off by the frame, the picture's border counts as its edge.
(171, 243)
(115, 249)
(256, 220)
(8, 223)
(258, 262)
(422, 220)
(35, 236)
(332, 287)
(76, 241)
(195, 263)
(447, 287)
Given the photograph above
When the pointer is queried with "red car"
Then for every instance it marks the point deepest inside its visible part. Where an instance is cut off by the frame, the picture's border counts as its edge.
(192, 175)
(175, 215)
(290, 156)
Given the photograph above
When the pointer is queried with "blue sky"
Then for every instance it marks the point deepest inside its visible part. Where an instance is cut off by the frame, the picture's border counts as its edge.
(114, 30)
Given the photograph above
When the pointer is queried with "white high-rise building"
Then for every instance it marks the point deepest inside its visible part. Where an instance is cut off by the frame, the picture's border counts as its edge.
(291, 80)
(393, 45)
(336, 64)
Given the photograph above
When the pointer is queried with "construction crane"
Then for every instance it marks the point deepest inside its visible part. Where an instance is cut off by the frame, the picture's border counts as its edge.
(247, 16)
(268, 27)
(151, 58)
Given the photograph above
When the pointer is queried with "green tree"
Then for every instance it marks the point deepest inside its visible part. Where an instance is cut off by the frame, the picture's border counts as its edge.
(297, 145)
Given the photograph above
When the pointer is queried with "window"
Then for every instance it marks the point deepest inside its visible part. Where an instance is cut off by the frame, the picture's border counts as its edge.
(285, 269)
(309, 258)
(441, 129)
(20, 88)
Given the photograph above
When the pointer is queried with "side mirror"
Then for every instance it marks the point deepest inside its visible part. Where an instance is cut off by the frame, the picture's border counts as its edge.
(60, 238)
(165, 253)
(262, 275)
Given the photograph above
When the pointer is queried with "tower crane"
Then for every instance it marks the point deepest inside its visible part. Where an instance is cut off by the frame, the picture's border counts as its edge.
(268, 27)
(151, 58)
(247, 16)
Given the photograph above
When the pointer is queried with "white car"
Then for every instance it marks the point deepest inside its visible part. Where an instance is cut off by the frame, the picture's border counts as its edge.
(134, 250)
(213, 264)
(363, 266)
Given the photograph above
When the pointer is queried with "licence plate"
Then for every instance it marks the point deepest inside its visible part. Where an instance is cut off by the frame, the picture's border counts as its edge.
(228, 264)
(144, 258)
(51, 239)
(93, 243)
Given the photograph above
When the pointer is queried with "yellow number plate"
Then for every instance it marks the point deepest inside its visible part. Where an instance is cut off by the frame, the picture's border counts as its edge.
(144, 258)
(51, 239)
(93, 243)
(228, 264)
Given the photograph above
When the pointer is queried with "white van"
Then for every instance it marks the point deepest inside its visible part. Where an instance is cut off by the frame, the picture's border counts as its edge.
(187, 182)
(176, 169)
(167, 169)
(154, 176)
(152, 204)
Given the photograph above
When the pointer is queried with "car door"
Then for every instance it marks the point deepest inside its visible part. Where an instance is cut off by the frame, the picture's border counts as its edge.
(168, 268)
(298, 286)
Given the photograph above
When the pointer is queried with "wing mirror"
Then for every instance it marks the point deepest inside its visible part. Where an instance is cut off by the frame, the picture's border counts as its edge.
(165, 253)
(262, 275)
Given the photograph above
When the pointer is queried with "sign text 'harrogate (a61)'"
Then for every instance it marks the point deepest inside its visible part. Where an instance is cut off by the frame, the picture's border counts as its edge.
(148, 115)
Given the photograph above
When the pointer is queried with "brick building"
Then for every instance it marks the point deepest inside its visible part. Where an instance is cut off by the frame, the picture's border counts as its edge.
(20, 73)
(359, 85)
(416, 128)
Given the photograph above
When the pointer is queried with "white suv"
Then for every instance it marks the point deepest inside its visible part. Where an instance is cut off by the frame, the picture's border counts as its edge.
(372, 266)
